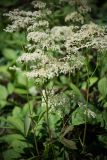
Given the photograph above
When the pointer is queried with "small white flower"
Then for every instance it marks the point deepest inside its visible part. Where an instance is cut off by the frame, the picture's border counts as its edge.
(90, 113)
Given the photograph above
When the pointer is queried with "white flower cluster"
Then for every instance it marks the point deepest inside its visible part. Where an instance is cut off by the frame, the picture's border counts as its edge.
(78, 15)
(36, 25)
(75, 17)
(24, 19)
(90, 113)
(58, 50)
(59, 102)
(47, 64)
(87, 37)
(39, 4)
(87, 111)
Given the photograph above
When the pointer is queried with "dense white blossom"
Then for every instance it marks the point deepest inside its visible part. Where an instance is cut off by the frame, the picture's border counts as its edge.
(75, 17)
(56, 50)
(25, 19)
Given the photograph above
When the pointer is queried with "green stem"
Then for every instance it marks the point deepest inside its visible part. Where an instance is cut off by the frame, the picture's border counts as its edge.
(47, 121)
(85, 128)
(30, 111)
(86, 109)
(47, 113)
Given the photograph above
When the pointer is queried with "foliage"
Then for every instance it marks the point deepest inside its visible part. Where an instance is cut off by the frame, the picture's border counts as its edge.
(59, 111)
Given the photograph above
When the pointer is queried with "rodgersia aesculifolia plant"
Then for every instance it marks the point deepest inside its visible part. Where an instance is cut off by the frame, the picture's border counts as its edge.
(58, 49)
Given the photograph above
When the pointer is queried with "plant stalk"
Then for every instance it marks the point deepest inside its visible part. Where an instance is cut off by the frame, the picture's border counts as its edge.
(86, 108)
(30, 111)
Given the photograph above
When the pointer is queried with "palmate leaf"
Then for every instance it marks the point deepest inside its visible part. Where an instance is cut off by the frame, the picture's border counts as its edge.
(16, 123)
(11, 155)
(17, 143)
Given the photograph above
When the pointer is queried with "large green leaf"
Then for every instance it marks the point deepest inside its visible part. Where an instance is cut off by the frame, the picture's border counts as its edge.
(78, 116)
(76, 91)
(9, 138)
(102, 86)
(10, 88)
(9, 54)
(17, 143)
(11, 155)
(92, 81)
(103, 140)
(3, 96)
(16, 123)
(3, 93)
(27, 123)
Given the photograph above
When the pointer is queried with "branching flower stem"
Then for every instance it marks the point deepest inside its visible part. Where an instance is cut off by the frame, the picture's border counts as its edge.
(45, 97)
(47, 113)
(30, 112)
(87, 99)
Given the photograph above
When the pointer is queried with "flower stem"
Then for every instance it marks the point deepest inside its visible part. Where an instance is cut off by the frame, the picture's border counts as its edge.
(47, 113)
(86, 108)
(30, 112)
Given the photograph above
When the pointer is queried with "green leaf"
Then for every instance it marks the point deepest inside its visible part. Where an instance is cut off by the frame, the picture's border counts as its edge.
(11, 154)
(21, 79)
(17, 143)
(41, 115)
(63, 79)
(68, 143)
(76, 91)
(27, 107)
(27, 123)
(17, 112)
(16, 123)
(78, 116)
(20, 91)
(11, 137)
(92, 81)
(102, 86)
(2, 103)
(3, 93)
(67, 130)
(9, 54)
(103, 139)
(105, 105)
(3, 96)
(10, 88)
(4, 69)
